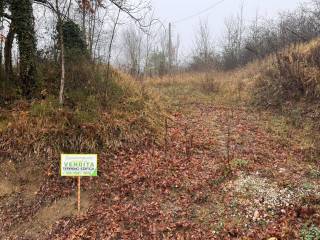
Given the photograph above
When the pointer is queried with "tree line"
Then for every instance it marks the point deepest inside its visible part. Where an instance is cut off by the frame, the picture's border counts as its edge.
(79, 29)
(88, 30)
(244, 42)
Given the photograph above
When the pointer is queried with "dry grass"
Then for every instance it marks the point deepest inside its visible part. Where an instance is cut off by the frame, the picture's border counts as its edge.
(91, 125)
(226, 88)
(34, 134)
(290, 75)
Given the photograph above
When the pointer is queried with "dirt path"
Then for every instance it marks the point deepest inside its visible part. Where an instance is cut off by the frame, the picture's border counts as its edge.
(192, 193)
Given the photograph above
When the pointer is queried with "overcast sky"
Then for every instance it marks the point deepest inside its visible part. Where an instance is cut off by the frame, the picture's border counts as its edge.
(174, 10)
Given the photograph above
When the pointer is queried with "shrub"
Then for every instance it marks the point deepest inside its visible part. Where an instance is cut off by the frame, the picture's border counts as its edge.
(292, 75)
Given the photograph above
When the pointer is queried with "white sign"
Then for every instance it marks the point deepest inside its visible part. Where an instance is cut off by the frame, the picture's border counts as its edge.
(83, 165)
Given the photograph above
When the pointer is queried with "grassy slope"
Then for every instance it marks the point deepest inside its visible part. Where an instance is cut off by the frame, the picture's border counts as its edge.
(33, 134)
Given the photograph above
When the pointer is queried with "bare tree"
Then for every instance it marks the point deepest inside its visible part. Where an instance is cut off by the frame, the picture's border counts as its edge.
(60, 8)
(203, 53)
(148, 45)
(133, 49)
(62, 57)
(111, 42)
(233, 39)
(92, 24)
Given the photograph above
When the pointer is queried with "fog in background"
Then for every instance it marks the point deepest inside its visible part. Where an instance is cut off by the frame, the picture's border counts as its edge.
(175, 10)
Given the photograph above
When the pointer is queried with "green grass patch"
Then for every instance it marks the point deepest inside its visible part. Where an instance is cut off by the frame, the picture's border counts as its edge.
(239, 163)
(310, 233)
(45, 108)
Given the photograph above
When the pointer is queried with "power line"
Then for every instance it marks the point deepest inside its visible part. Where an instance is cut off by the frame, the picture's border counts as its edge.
(199, 13)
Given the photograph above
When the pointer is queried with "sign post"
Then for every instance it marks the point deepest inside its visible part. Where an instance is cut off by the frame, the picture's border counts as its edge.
(79, 194)
(79, 165)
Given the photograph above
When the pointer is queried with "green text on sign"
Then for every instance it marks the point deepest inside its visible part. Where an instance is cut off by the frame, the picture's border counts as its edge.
(83, 165)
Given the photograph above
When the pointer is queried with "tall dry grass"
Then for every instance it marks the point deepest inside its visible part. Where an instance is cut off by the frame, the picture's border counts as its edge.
(223, 87)
(288, 76)
(103, 116)
(291, 75)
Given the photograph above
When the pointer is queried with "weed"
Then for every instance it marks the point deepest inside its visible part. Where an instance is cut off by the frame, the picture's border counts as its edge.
(314, 173)
(308, 186)
(45, 108)
(239, 163)
(221, 179)
(310, 199)
(85, 117)
(310, 233)
(218, 227)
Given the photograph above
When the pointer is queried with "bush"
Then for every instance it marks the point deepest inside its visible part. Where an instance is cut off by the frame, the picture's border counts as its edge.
(292, 75)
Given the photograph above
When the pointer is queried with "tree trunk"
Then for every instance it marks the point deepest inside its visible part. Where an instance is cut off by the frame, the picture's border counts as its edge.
(61, 43)
(84, 21)
(2, 39)
(8, 54)
(110, 44)
(23, 20)
(62, 80)
(1, 56)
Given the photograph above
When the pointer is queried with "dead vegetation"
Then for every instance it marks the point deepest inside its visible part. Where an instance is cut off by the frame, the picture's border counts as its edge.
(286, 83)
(153, 193)
(34, 134)
(230, 163)
(293, 75)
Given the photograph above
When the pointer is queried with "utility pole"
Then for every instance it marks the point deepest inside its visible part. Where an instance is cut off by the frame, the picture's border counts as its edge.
(170, 48)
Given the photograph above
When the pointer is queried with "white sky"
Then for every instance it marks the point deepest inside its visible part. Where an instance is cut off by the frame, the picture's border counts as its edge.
(173, 10)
